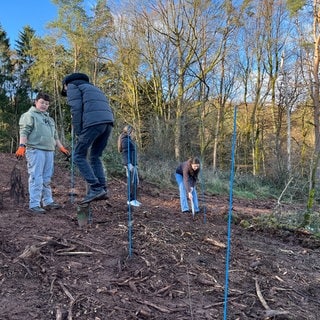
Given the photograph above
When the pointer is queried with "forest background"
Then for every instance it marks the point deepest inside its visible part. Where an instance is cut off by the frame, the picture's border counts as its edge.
(190, 76)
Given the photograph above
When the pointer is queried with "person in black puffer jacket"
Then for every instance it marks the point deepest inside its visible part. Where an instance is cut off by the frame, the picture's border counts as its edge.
(92, 121)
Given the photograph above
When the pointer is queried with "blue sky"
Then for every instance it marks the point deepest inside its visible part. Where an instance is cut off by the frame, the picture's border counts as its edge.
(15, 14)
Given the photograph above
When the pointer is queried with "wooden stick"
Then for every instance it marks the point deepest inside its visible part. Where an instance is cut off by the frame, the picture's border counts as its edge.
(259, 294)
(66, 291)
(59, 313)
(268, 313)
(73, 253)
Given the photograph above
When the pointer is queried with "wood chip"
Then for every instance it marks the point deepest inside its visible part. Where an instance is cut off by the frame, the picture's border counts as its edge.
(215, 243)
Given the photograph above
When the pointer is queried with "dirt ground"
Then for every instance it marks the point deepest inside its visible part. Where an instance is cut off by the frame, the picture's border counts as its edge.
(164, 265)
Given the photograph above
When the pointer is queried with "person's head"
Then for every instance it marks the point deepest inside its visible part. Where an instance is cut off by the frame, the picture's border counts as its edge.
(195, 163)
(77, 76)
(128, 130)
(42, 101)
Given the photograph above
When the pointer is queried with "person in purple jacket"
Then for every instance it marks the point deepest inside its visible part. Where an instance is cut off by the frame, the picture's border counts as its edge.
(186, 177)
(92, 121)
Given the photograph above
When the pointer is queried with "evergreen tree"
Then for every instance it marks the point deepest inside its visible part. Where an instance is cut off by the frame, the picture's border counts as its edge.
(24, 59)
(6, 91)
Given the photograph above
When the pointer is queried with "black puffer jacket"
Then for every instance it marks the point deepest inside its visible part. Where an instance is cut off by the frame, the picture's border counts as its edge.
(89, 105)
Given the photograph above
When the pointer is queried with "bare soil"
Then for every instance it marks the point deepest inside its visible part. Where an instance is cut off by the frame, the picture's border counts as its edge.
(164, 265)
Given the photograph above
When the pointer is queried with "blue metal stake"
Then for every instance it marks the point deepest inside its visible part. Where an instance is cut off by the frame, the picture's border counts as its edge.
(129, 205)
(226, 289)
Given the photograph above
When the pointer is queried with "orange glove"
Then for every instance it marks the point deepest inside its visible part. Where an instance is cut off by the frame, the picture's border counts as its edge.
(21, 152)
(65, 151)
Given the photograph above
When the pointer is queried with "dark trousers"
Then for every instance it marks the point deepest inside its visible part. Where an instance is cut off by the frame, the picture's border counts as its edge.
(133, 181)
(88, 161)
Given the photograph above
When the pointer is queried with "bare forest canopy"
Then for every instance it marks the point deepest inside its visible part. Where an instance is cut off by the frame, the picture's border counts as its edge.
(176, 71)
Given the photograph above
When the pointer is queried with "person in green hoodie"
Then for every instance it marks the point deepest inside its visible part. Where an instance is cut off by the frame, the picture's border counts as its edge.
(38, 140)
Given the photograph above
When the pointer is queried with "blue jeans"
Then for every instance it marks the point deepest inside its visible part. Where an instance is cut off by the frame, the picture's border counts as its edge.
(92, 170)
(184, 197)
(40, 166)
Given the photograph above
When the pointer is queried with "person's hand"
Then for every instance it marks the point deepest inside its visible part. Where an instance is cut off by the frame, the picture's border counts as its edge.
(130, 167)
(21, 151)
(190, 195)
(65, 151)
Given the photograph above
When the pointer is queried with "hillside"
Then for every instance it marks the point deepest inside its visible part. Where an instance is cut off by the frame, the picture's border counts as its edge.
(50, 268)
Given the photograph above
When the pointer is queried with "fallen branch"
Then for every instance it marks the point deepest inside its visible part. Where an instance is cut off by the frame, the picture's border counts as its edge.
(66, 291)
(69, 295)
(268, 313)
(259, 294)
(30, 251)
(162, 290)
(273, 313)
(220, 303)
(207, 279)
(145, 312)
(284, 190)
(215, 242)
(73, 253)
(146, 261)
(150, 304)
(28, 270)
(59, 313)
(66, 247)
(90, 247)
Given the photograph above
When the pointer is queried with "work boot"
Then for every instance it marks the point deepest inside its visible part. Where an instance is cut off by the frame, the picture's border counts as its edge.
(52, 205)
(104, 196)
(93, 194)
(37, 210)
